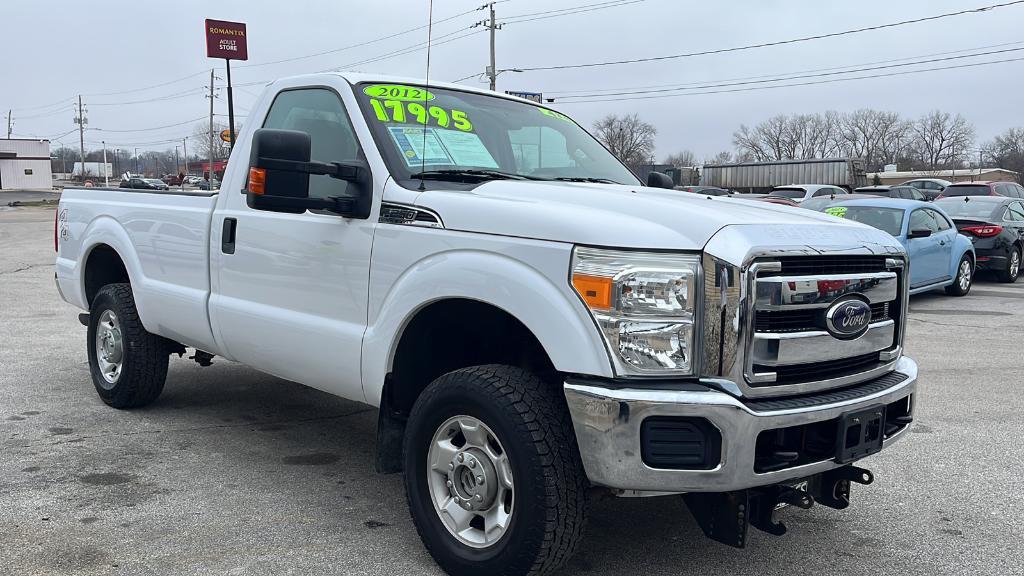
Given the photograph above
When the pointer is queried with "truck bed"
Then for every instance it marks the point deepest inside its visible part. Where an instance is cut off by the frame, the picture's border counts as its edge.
(163, 237)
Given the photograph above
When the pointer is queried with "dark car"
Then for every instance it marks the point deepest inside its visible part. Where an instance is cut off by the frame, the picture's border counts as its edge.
(1007, 189)
(931, 187)
(205, 184)
(904, 192)
(140, 184)
(172, 179)
(705, 190)
(995, 224)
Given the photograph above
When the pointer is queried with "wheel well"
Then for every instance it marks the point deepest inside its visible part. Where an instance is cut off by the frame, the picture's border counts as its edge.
(457, 333)
(103, 267)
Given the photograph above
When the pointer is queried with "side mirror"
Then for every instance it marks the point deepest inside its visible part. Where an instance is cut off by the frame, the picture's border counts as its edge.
(919, 233)
(660, 180)
(279, 170)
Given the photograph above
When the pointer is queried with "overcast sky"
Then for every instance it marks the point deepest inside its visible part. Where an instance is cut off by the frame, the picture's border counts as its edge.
(61, 49)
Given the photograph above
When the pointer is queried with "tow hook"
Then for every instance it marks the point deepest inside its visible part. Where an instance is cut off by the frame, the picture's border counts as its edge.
(726, 516)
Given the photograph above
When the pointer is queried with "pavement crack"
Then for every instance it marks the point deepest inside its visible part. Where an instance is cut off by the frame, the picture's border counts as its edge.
(945, 323)
(23, 268)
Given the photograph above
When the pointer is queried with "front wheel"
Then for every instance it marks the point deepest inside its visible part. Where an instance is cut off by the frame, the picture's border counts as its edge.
(1012, 270)
(493, 474)
(964, 275)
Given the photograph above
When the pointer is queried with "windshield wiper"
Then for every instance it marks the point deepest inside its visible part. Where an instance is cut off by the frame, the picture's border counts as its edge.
(471, 173)
(585, 179)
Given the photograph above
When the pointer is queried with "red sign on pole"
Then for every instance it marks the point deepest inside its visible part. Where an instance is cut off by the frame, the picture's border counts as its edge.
(226, 40)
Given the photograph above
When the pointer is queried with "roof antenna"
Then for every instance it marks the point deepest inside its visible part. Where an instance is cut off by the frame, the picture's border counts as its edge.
(426, 93)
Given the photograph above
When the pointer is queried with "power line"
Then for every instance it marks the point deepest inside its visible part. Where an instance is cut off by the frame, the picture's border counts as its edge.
(812, 83)
(351, 46)
(153, 127)
(777, 42)
(567, 93)
(520, 18)
(792, 77)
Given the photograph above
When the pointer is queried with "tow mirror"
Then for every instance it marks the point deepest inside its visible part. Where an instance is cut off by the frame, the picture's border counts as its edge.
(279, 171)
(919, 233)
(660, 180)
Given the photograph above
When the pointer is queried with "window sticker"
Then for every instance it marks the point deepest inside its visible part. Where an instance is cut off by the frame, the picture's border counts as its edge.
(837, 211)
(410, 142)
(466, 149)
(398, 92)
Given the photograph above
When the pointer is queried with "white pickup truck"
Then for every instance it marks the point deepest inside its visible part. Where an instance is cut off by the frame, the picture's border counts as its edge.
(535, 324)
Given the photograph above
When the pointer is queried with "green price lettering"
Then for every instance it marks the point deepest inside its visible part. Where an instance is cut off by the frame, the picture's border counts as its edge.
(554, 114)
(837, 211)
(395, 111)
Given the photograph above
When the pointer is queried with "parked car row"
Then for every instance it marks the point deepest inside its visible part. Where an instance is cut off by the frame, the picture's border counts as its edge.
(968, 226)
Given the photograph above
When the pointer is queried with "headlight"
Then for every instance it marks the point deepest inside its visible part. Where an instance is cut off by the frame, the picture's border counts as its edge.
(645, 305)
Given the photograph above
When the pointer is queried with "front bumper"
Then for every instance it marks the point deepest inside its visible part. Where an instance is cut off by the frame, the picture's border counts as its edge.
(608, 419)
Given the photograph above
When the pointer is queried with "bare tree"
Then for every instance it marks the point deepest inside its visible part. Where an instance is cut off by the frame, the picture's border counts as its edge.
(1006, 151)
(201, 137)
(723, 157)
(942, 140)
(629, 138)
(787, 137)
(681, 158)
(876, 136)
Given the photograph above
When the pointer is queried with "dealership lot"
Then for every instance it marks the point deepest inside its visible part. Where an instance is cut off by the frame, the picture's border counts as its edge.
(236, 472)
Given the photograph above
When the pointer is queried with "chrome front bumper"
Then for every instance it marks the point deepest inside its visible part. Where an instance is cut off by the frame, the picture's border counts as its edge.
(608, 420)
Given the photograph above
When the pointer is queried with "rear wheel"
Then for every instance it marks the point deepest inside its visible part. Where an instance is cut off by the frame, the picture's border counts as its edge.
(492, 473)
(964, 275)
(1012, 270)
(127, 363)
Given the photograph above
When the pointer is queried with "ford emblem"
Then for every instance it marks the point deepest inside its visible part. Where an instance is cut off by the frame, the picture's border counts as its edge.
(848, 318)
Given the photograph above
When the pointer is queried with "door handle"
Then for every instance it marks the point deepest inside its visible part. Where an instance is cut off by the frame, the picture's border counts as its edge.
(227, 236)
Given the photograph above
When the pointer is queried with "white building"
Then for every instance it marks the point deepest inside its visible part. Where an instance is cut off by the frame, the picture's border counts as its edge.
(25, 164)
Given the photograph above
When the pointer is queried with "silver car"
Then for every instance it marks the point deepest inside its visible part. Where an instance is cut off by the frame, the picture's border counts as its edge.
(800, 192)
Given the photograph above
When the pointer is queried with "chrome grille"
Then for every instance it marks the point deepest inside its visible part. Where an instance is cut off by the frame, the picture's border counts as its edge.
(787, 347)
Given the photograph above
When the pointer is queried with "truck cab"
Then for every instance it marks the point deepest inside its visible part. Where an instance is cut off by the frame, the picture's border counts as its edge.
(534, 323)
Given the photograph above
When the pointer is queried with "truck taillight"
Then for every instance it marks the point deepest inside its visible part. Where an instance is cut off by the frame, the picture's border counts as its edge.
(55, 213)
(983, 231)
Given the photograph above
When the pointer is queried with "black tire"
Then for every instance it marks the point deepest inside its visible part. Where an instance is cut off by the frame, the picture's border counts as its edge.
(1010, 273)
(144, 355)
(532, 423)
(958, 288)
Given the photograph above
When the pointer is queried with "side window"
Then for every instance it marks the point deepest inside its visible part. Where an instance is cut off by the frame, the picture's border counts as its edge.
(320, 113)
(940, 221)
(1016, 212)
(1004, 190)
(538, 147)
(916, 194)
(825, 192)
(921, 220)
(839, 191)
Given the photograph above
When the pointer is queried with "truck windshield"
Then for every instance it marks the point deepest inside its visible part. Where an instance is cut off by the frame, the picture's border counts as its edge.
(468, 137)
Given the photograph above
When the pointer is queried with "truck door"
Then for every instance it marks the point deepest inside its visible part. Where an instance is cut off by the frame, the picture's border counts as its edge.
(291, 292)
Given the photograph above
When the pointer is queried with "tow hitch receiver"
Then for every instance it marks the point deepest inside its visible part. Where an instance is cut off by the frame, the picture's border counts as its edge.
(726, 516)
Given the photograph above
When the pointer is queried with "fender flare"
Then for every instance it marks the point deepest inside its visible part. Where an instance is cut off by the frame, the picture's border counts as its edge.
(105, 230)
(553, 314)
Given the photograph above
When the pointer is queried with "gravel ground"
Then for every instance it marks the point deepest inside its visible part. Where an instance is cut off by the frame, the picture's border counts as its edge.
(236, 472)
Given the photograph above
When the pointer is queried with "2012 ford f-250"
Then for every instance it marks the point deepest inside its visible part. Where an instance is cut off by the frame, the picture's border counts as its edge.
(534, 323)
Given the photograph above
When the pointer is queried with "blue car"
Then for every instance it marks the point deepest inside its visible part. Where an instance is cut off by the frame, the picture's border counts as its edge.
(939, 256)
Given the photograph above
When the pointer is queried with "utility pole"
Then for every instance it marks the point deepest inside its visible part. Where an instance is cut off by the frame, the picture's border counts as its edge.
(492, 70)
(136, 161)
(184, 148)
(106, 173)
(210, 174)
(177, 168)
(81, 120)
(10, 120)
(117, 159)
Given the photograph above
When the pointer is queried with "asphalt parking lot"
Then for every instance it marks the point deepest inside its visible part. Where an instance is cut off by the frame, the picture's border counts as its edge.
(236, 472)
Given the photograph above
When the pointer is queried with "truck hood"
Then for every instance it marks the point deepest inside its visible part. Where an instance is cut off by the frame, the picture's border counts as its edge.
(614, 216)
